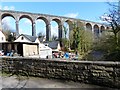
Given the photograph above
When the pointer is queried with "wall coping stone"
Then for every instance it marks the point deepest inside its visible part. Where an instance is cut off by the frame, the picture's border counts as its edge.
(64, 60)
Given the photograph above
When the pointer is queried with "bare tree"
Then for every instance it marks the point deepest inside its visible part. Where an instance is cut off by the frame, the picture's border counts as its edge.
(8, 32)
(40, 34)
(113, 42)
(54, 37)
(65, 31)
(113, 18)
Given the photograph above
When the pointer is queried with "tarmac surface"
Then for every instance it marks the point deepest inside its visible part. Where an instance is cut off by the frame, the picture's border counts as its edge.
(36, 82)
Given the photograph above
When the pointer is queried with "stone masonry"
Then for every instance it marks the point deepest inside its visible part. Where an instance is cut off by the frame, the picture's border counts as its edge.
(96, 28)
(94, 72)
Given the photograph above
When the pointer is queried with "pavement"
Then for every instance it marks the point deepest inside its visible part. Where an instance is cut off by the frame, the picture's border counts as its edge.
(36, 82)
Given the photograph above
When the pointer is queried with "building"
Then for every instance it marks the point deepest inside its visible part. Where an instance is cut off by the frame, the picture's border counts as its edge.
(24, 45)
(33, 45)
(25, 38)
(29, 44)
(2, 39)
(20, 48)
(55, 46)
(45, 51)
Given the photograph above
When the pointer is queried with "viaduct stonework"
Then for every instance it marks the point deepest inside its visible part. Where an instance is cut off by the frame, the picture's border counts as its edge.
(96, 28)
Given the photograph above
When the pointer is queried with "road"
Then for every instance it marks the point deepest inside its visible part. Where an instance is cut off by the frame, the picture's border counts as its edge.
(35, 82)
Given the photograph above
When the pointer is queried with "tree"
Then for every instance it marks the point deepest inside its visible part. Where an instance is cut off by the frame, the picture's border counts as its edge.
(65, 31)
(113, 41)
(86, 41)
(54, 38)
(113, 18)
(40, 34)
(64, 42)
(75, 37)
(81, 40)
(9, 34)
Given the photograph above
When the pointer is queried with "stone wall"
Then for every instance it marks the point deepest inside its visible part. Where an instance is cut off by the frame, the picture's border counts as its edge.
(95, 72)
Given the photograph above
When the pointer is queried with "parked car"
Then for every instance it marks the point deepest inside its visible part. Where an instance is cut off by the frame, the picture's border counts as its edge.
(1, 52)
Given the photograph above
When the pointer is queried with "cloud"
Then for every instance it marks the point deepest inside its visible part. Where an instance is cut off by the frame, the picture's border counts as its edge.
(41, 30)
(12, 8)
(54, 30)
(7, 7)
(0, 7)
(21, 31)
(28, 22)
(6, 22)
(106, 17)
(39, 21)
(101, 21)
(72, 15)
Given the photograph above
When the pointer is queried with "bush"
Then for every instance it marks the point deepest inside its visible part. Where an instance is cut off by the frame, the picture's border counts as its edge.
(113, 56)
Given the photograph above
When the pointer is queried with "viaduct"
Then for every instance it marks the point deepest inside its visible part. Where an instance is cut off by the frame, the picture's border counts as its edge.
(96, 28)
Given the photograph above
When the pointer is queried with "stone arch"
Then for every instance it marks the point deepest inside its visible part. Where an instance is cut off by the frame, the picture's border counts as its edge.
(45, 20)
(26, 16)
(11, 17)
(70, 26)
(96, 30)
(57, 21)
(30, 26)
(107, 28)
(69, 22)
(79, 24)
(7, 14)
(102, 28)
(88, 27)
(59, 27)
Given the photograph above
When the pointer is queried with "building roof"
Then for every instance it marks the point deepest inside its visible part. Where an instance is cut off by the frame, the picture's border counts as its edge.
(32, 38)
(29, 37)
(52, 44)
(19, 43)
(41, 39)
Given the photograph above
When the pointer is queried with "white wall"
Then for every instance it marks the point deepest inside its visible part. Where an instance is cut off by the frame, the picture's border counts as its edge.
(19, 39)
(45, 51)
(37, 41)
(29, 50)
(2, 37)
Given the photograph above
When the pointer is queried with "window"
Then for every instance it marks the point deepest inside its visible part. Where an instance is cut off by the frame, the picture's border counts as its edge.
(22, 38)
(2, 38)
